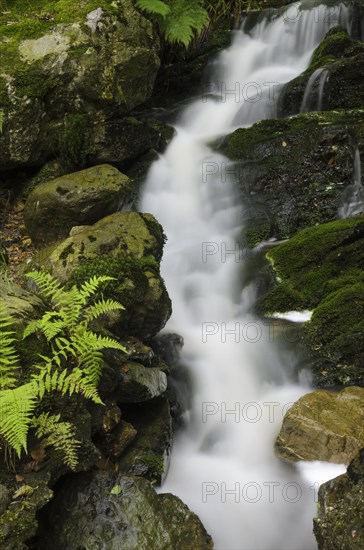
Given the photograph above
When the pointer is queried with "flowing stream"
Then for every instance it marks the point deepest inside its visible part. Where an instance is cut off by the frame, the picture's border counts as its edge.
(354, 193)
(223, 465)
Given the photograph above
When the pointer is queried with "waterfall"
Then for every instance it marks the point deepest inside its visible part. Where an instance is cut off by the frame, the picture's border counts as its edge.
(354, 194)
(223, 465)
(314, 89)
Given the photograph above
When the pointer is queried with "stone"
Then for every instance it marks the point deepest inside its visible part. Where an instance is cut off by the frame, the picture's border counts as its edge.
(322, 425)
(108, 511)
(292, 173)
(81, 198)
(149, 453)
(128, 247)
(321, 269)
(340, 521)
(64, 75)
(136, 383)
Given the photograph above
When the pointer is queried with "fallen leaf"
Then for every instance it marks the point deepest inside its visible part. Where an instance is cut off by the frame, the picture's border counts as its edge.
(116, 490)
(19, 478)
(284, 144)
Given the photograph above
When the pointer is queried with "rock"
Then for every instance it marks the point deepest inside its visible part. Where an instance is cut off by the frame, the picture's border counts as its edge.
(18, 522)
(63, 77)
(340, 521)
(82, 198)
(20, 304)
(124, 434)
(343, 58)
(148, 455)
(136, 383)
(127, 246)
(5, 498)
(105, 511)
(323, 426)
(321, 268)
(291, 173)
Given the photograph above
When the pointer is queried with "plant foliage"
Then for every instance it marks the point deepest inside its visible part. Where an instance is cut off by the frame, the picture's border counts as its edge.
(73, 364)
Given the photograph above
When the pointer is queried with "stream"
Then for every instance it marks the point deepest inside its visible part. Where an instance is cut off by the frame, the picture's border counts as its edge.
(223, 464)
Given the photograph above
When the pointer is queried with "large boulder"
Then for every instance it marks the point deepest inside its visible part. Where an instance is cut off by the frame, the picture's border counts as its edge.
(82, 198)
(323, 425)
(127, 246)
(340, 521)
(321, 268)
(109, 512)
(66, 69)
(291, 173)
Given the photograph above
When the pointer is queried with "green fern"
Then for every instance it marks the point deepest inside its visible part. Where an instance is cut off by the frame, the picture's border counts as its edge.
(73, 364)
(9, 360)
(60, 435)
(177, 20)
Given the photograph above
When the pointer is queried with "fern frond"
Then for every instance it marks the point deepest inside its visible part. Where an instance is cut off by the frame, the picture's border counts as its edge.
(48, 285)
(185, 18)
(9, 360)
(88, 288)
(60, 435)
(154, 7)
(102, 307)
(16, 410)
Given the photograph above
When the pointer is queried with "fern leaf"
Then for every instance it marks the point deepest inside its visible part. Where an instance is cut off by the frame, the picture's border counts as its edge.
(16, 411)
(88, 288)
(9, 360)
(185, 18)
(48, 286)
(155, 7)
(102, 307)
(60, 435)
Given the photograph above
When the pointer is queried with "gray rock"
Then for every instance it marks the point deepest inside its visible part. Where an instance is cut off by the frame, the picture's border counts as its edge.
(108, 512)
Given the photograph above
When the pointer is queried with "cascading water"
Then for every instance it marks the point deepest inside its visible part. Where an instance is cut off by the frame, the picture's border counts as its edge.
(354, 194)
(223, 465)
(314, 91)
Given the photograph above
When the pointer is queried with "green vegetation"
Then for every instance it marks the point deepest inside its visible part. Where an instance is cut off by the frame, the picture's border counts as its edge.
(73, 364)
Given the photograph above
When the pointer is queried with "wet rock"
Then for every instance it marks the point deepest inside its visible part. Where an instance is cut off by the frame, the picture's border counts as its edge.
(136, 383)
(148, 455)
(321, 269)
(81, 198)
(323, 426)
(340, 521)
(101, 510)
(343, 58)
(291, 173)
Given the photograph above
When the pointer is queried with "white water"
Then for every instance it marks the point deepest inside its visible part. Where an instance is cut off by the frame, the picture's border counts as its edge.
(354, 194)
(189, 192)
(315, 87)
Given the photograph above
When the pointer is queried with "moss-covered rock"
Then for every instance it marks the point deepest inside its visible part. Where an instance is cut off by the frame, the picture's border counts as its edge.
(118, 511)
(127, 246)
(340, 521)
(66, 70)
(321, 268)
(291, 173)
(343, 58)
(325, 426)
(136, 383)
(148, 455)
(82, 198)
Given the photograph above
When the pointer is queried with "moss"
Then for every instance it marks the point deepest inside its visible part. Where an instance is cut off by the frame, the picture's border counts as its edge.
(155, 464)
(74, 141)
(66, 252)
(336, 44)
(281, 298)
(31, 81)
(131, 282)
(337, 325)
(309, 261)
